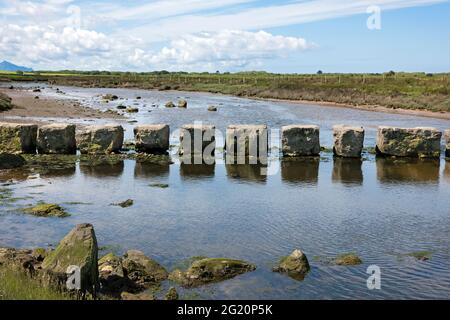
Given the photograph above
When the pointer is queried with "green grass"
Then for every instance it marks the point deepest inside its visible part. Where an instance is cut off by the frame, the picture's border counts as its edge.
(418, 91)
(15, 285)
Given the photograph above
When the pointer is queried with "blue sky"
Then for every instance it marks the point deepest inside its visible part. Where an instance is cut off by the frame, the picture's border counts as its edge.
(227, 35)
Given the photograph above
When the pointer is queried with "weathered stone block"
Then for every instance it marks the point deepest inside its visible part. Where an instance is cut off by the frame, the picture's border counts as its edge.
(447, 143)
(152, 138)
(246, 141)
(414, 142)
(300, 140)
(100, 139)
(18, 138)
(197, 139)
(56, 139)
(78, 248)
(348, 141)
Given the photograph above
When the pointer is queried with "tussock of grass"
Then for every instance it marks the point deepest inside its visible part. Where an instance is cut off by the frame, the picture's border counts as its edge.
(15, 285)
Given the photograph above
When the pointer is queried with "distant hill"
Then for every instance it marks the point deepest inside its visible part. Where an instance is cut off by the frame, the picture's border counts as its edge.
(8, 66)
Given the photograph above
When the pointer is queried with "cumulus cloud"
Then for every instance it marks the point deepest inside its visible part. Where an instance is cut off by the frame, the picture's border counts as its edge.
(39, 44)
(227, 48)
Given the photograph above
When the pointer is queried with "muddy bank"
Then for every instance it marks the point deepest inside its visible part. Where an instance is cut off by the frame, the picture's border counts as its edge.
(29, 104)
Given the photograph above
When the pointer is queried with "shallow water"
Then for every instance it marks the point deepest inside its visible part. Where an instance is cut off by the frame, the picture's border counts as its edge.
(380, 209)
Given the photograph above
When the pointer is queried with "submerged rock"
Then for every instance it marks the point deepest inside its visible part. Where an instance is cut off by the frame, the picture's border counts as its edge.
(347, 259)
(132, 110)
(172, 294)
(295, 265)
(182, 104)
(142, 270)
(415, 142)
(421, 255)
(209, 270)
(11, 161)
(78, 248)
(170, 104)
(46, 210)
(124, 204)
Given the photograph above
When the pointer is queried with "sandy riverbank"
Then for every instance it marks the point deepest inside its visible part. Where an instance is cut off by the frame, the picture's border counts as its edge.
(418, 113)
(27, 106)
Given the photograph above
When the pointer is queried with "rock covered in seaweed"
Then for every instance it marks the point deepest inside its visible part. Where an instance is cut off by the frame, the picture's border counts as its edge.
(208, 270)
(295, 265)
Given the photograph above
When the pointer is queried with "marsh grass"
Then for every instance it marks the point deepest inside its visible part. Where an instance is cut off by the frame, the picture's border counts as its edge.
(15, 285)
(415, 91)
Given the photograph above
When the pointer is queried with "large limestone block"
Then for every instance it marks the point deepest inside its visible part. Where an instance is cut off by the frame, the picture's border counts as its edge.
(56, 139)
(414, 142)
(348, 141)
(18, 138)
(447, 143)
(247, 141)
(100, 139)
(152, 138)
(300, 140)
(78, 248)
(197, 139)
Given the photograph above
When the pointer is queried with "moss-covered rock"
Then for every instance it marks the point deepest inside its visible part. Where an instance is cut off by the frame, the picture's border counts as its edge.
(18, 138)
(210, 270)
(347, 259)
(100, 139)
(420, 255)
(124, 204)
(78, 248)
(406, 142)
(5, 102)
(170, 104)
(10, 161)
(46, 210)
(142, 270)
(172, 294)
(137, 296)
(296, 265)
(39, 254)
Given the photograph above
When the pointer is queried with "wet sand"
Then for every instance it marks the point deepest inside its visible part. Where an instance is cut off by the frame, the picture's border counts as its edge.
(26, 106)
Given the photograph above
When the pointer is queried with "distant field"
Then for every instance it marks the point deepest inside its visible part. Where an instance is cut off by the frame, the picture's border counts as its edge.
(393, 90)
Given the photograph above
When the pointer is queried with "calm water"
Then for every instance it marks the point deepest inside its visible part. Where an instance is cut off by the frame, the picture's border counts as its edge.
(378, 208)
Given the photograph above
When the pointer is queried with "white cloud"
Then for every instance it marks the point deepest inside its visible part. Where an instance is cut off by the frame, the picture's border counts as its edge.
(227, 48)
(41, 45)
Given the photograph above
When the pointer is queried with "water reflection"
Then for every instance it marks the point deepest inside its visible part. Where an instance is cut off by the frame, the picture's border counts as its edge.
(301, 170)
(189, 171)
(102, 169)
(447, 171)
(391, 170)
(347, 171)
(247, 172)
(151, 170)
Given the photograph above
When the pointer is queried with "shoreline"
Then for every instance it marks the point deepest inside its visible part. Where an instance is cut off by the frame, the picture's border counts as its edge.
(370, 108)
(70, 108)
(27, 107)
